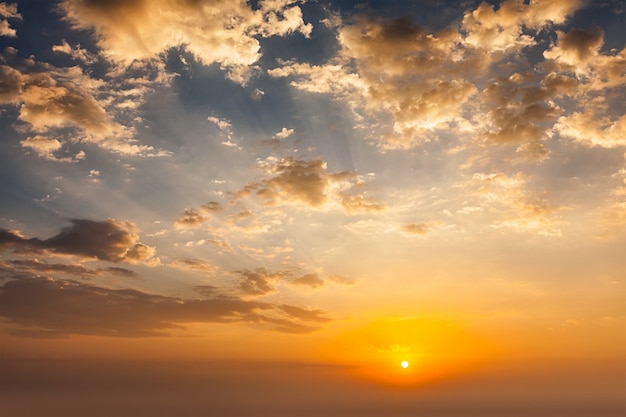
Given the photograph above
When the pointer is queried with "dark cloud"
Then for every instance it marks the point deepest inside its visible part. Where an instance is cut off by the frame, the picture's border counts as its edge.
(305, 314)
(40, 307)
(299, 181)
(197, 265)
(259, 281)
(35, 266)
(108, 240)
(583, 44)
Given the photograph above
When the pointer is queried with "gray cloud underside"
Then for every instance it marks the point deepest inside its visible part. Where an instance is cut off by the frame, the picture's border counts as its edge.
(40, 307)
(108, 240)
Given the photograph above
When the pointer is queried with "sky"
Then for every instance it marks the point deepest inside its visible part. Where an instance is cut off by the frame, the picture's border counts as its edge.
(261, 208)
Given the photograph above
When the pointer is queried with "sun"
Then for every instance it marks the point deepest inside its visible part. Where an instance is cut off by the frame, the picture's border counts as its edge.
(405, 364)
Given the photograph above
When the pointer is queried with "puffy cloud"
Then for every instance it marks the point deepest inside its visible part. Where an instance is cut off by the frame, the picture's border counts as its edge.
(592, 129)
(299, 181)
(194, 217)
(320, 78)
(284, 133)
(359, 203)
(409, 85)
(52, 99)
(259, 281)
(523, 111)
(214, 31)
(110, 240)
(576, 47)
(500, 30)
(42, 145)
(41, 307)
(8, 11)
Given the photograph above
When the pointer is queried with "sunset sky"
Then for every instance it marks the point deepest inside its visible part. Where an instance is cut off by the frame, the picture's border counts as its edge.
(261, 208)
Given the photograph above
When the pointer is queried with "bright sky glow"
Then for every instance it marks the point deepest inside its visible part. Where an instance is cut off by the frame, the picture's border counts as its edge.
(345, 185)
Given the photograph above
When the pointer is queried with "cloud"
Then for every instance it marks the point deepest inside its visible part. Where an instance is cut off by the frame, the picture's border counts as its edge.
(599, 118)
(8, 11)
(513, 205)
(359, 203)
(42, 145)
(416, 228)
(501, 29)
(259, 281)
(194, 217)
(215, 31)
(308, 182)
(52, 100)
(284, 133)
(590, 128)
(40, 307)
(309, 280)
(408, 85)
(18, 267)
(305, 314)
(577, 47)
(76, 52)
(523, 111)
(109, 240)
(197, 265)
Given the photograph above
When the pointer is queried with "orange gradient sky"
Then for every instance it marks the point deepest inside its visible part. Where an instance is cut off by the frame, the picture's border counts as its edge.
(261, 208)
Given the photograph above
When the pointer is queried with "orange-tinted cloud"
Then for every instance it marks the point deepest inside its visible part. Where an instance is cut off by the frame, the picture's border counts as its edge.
(8, 11)
(194, 217)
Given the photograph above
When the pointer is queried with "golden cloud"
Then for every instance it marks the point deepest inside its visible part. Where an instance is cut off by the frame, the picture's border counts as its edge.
(298, 181)
(52, 99)
(214, 31)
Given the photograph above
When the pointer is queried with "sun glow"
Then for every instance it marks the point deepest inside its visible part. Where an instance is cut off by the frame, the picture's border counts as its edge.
(427, 350)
